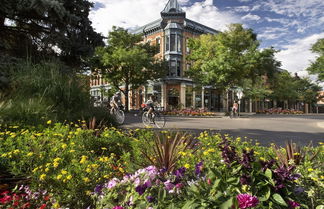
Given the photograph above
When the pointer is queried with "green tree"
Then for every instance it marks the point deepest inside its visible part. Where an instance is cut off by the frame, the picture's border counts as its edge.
(33, 28)
(127, 61)
(285, 87)
(317, 67)
(224, 59)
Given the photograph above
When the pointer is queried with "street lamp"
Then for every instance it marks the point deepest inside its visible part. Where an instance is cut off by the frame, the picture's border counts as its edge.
(239, 94)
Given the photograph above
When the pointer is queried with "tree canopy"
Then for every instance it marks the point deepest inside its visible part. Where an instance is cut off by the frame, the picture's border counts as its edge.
(33, 28)
(128, 61)
(224, 59)
(317, 67)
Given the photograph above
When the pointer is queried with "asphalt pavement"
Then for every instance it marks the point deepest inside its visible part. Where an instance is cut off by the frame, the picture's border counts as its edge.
(266, 129)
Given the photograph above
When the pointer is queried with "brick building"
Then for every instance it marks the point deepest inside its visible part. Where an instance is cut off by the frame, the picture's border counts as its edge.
(171, 33)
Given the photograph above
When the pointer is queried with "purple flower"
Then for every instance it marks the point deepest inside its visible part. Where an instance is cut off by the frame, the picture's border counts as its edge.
(98, 188)
(180, 172)
(148, 183)
(293, 204)
(228, 152)
(140, 189)
(112, 183)
(247, 201)
(247, 158)
(199, 167)
(245, 179)
(284, 175)
(150, 199)
(267, 164)
(168, 185)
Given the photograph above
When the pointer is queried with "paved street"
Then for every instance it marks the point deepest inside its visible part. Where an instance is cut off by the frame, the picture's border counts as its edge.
(266, 129)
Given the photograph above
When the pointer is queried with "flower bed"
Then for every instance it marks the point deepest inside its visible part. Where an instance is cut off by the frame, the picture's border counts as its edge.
(280, 111)
(68, 167)
(190, 112)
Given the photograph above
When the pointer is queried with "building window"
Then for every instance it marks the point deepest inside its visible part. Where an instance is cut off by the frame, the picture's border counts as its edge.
(173, 43)
(167, 43)
(173, 68)
(158, 44)
(178, 68)
(179, 40)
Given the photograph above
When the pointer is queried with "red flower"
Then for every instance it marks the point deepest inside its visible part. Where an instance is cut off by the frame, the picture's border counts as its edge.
(43, 206)
(5, 199)
(46, 197)
(26, 205)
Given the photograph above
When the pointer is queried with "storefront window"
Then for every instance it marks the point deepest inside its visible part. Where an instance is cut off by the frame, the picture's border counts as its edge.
(173, 98)
(198, 99)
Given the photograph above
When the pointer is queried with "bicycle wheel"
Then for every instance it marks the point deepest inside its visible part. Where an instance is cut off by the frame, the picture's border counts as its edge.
(159, 120)
(145, 119)
(120, 116)
(231, 114)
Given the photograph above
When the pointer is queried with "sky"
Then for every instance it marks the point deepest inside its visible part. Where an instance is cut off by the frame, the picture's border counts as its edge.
(291, 26)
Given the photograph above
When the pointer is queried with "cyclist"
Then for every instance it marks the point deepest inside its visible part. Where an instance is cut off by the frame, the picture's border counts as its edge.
(150, 104)
(115, 101)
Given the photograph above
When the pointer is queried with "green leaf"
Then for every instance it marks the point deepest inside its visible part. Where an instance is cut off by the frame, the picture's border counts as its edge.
(264, 194)
(320, 207)
(268, 173)
(227, 204)
(190, 204)
(277, 197)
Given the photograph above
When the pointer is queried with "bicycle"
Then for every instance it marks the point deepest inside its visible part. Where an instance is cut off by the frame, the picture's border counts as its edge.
(233, 114)
(118, 114)
(156, 118)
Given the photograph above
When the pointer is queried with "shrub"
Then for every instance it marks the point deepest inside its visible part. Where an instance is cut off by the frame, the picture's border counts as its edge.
(66, 161)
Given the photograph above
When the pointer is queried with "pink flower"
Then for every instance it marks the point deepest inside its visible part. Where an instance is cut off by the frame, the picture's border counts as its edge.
(247, 201)
(293, 204)
(118, 207)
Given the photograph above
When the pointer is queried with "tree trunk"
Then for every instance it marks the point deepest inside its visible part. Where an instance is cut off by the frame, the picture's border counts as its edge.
(126, 97)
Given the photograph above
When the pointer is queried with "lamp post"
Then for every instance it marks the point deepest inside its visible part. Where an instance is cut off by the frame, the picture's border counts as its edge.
(239, 94)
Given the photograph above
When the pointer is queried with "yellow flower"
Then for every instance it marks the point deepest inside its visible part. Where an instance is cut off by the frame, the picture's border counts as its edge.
(83, 159)
(4, 155)
(59, 177)
(187, 165)
(296, 153)
(57, 159)
(49, 122)
(55, 164)
(46, 169)
(88, 170)
(86, 179)
(94, 166)
(72, 150)
(30, 154)
(262, 158)
(56, 205)
(16, 151)
(310, 169)
(103, 148)
(121, 170)
(35, 169)
(106, 176)
(69, 177)
(64, 172)
(42, 177)
(48, 164)
(64, 146)
(88, 193)
(205, 153)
